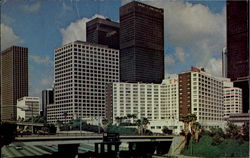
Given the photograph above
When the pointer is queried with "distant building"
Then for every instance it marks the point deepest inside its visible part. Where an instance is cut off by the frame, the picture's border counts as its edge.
(141, 43)
(232, 98)
(239, 119)
(47, 98)
(238, 46)
(14, 80)
(26, 107)
(103, 31)
(82, 71)
(201, 94)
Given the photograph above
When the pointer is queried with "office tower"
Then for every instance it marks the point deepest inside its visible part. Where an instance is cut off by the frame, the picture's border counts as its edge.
(224, 62)
(232, 98)
(201, 94)
(47, 98)
(141, 43)
(153, 101)
(103, 31)
(14, 79)
(238, 47)
(27, 107)
(82, 71)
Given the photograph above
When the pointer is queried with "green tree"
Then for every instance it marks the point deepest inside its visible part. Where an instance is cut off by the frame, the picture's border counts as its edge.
(232, 131)
(245, 131)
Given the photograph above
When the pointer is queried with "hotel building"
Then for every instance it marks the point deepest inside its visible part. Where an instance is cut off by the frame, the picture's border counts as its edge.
(156, 102)
(201, 93)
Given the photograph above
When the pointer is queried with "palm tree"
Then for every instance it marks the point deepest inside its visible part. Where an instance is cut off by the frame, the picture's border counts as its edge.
(188, 120)
(129, 116)
(145, 122)
(118, 119)
(196, 130)
(105, 124)
(139, 126)
(133, 116)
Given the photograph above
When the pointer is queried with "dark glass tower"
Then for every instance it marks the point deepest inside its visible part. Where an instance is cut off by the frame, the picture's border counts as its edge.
(238, 46)
(141, 43)
(14, 80)
(103, 31)
(47, 98)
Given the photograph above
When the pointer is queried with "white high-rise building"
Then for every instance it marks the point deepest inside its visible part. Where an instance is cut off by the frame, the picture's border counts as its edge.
(232, 98)
(156, 102)
(82, 71)
(201, 94)
(26, 107)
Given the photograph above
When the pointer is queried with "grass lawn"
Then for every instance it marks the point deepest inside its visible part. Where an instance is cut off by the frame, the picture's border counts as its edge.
(228, 148)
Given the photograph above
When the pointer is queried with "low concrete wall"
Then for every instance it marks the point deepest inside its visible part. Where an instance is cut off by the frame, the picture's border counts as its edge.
(177, 145)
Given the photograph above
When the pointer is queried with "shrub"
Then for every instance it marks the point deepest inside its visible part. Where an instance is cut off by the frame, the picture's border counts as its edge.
(165, 130)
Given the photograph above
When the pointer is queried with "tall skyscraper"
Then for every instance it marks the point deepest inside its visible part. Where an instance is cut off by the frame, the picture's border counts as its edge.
(238, 46)
(141, 43)
(14, 80)
(103, 31)
(47, 98)
(82, 71)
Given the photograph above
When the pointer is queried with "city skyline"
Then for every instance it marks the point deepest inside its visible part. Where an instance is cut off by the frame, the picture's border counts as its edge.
(53, 31)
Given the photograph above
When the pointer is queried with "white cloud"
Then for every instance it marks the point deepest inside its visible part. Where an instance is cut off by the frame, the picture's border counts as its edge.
(180, 54)
(76, 30)
(169, 60)
(214, 66)
(31, 8)
(41, 60)
(8, 37)
(197, 32)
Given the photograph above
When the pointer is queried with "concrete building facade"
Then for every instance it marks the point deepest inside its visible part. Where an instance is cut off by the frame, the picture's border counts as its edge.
(156, 102)
(82, 71)
(232, 98)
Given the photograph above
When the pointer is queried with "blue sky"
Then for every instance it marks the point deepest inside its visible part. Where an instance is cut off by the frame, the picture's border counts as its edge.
(194, 32)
